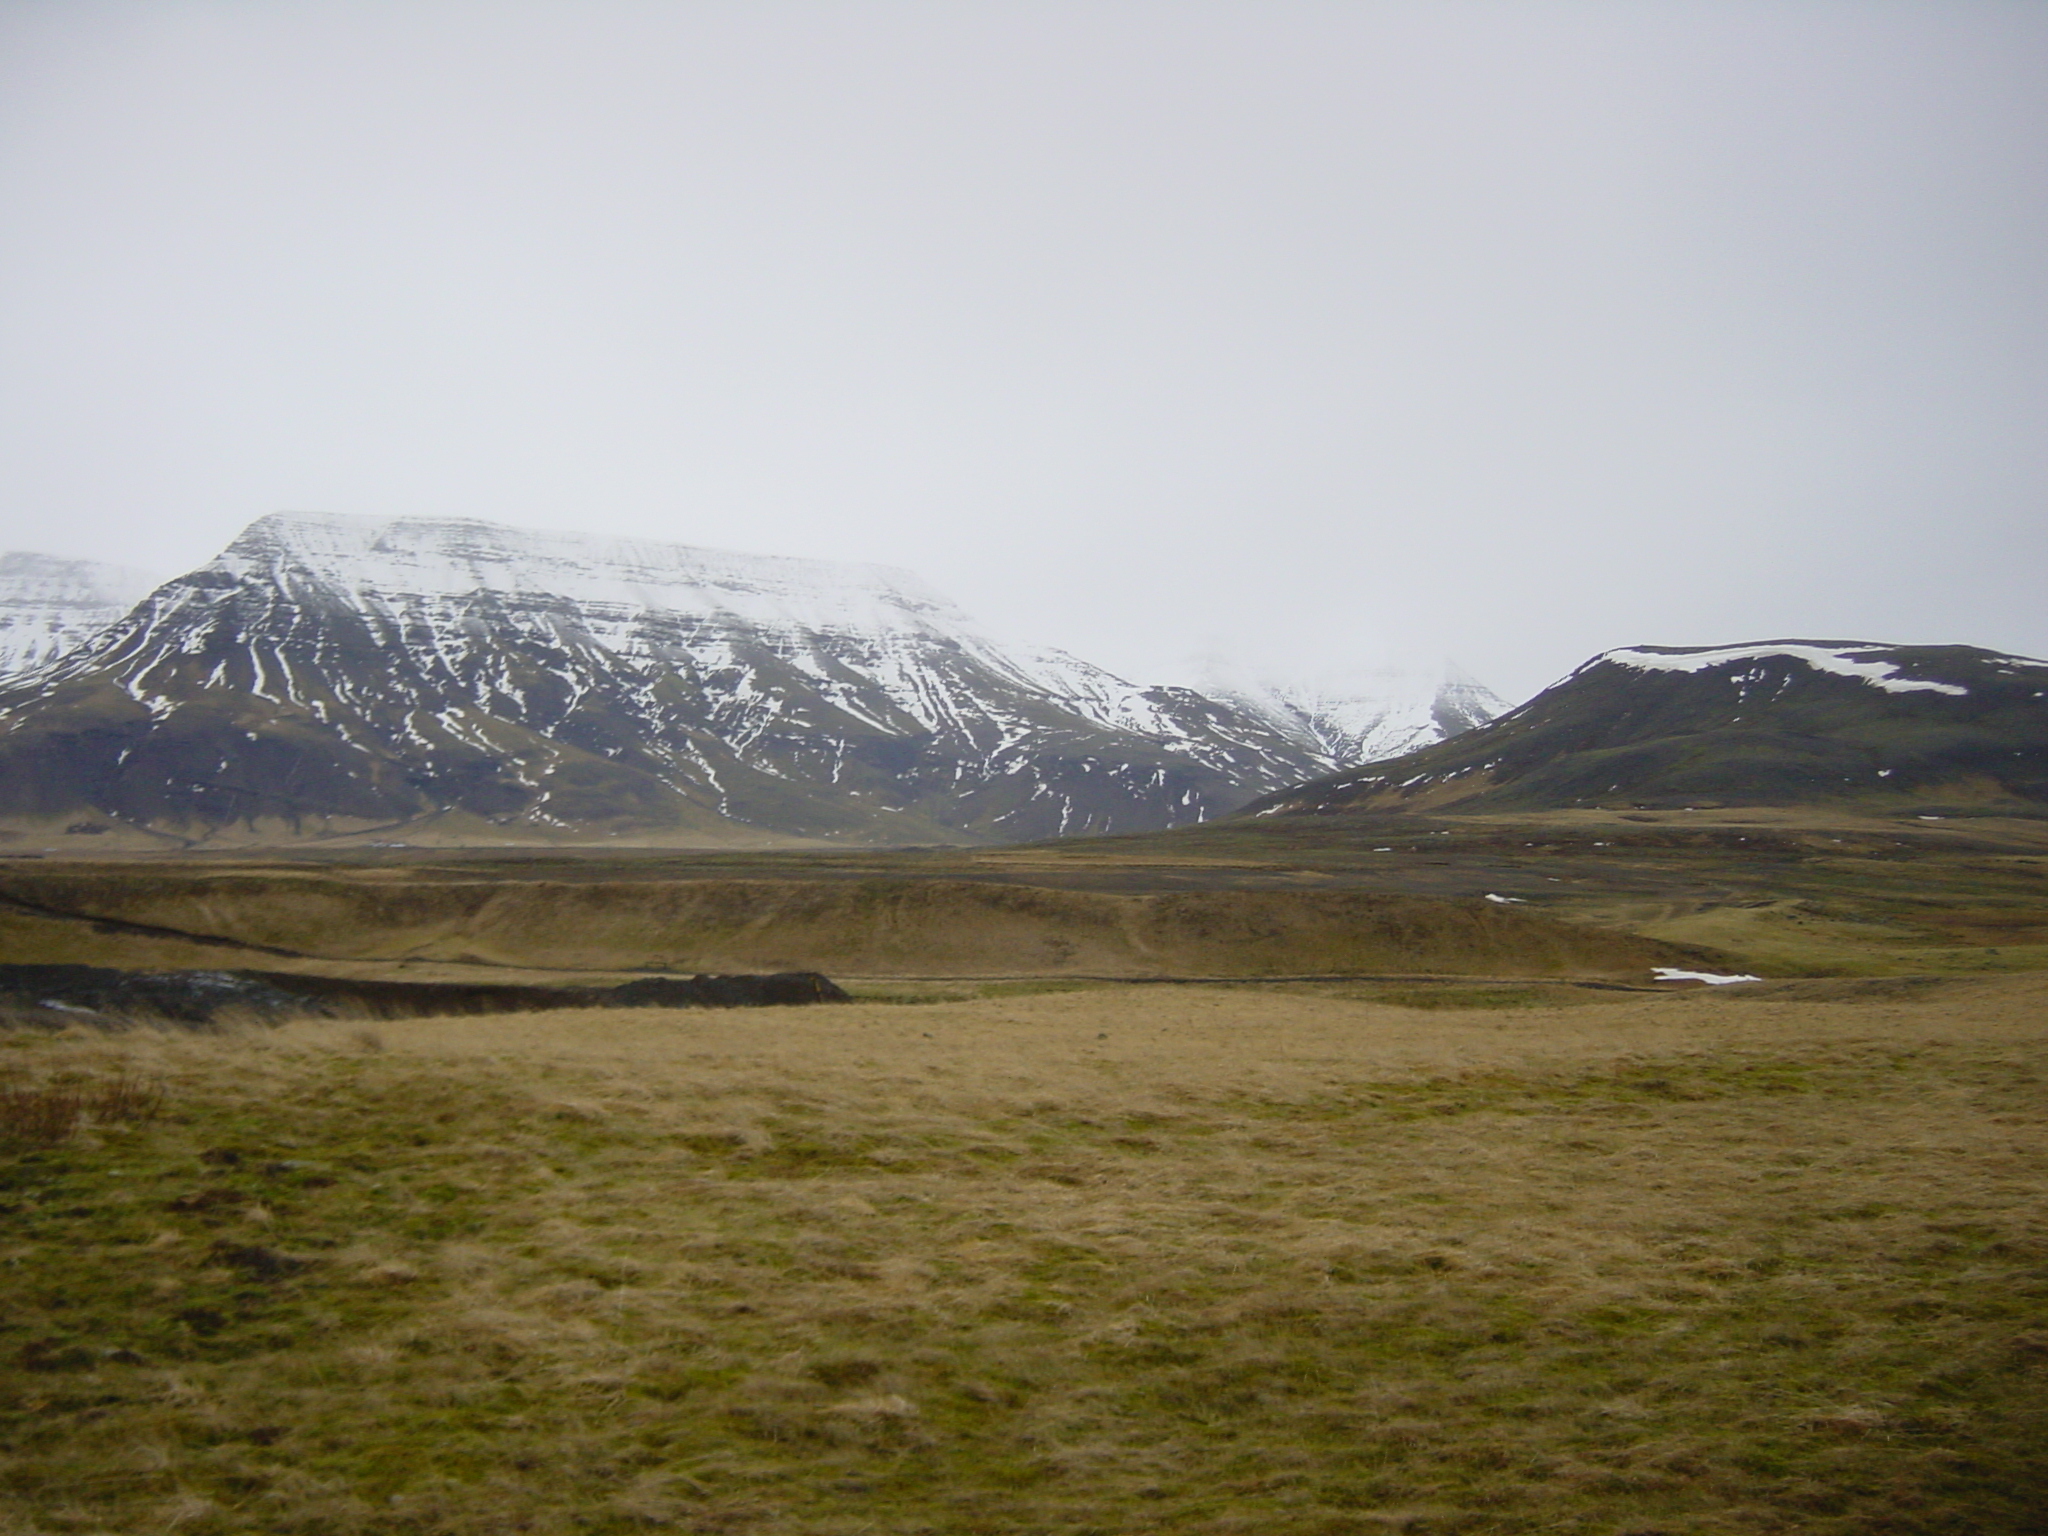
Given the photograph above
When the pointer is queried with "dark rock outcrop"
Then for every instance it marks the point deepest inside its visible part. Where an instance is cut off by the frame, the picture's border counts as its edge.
(57, 994)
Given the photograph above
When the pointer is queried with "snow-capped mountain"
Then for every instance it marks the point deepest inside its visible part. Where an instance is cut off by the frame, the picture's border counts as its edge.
(333, 672)
(1366, 717)
(49, 605)
(1777, 722)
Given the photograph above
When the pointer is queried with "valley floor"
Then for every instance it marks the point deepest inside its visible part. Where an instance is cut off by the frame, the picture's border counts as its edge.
(1798, 890)
(984, 1258)
(1783, 892)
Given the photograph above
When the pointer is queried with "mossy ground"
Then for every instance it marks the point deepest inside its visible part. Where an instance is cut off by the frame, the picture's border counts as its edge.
(1113, 1260)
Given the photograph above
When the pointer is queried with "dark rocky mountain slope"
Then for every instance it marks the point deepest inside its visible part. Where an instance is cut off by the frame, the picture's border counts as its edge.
(1780, 722)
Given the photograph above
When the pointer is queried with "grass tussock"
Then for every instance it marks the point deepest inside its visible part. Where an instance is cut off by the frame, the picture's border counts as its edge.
(38, 1114)
(1117, 1260)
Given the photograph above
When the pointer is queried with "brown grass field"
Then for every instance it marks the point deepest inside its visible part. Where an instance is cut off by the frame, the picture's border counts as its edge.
(1783, 891)
(879, 927)
(970, 1257)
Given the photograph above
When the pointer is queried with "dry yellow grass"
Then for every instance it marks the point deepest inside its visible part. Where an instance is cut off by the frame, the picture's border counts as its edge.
(1244, 1259)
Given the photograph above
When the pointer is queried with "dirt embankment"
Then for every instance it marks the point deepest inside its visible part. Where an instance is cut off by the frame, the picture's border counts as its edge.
(871, 927)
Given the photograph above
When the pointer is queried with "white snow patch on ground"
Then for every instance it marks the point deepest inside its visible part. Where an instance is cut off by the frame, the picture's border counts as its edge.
(1667, 973)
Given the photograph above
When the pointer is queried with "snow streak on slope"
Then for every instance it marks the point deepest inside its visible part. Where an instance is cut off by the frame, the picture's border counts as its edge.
(49, 606)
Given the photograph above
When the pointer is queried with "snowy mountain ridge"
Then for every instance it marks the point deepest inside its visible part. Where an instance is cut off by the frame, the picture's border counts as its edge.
(394, 561)
(334, 670)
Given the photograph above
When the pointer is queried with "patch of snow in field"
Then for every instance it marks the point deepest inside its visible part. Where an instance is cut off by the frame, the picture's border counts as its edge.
(1667, 973)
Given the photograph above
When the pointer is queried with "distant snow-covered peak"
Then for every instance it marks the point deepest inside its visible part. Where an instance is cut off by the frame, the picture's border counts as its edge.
(1862, 660)
(1463, 703)
(1365, 716)
(49, 605)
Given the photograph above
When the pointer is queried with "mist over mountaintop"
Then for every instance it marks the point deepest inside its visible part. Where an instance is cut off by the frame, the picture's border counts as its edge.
(50, 605)
(1365, 717)
(330, 674)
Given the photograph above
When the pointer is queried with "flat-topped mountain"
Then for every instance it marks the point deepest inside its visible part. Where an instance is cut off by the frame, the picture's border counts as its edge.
(1778, 722)
(329, 674)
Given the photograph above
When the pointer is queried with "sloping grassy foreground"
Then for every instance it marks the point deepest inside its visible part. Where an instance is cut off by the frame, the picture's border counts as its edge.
(1108, 1260)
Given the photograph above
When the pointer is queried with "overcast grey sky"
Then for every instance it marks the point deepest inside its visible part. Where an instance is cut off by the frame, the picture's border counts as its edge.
(1309, 335)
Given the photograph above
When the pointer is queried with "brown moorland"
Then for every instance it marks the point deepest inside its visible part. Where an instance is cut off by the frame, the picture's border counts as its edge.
(871, 926)
(1783, 891)
(1486, 1250)
(994, 1258)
